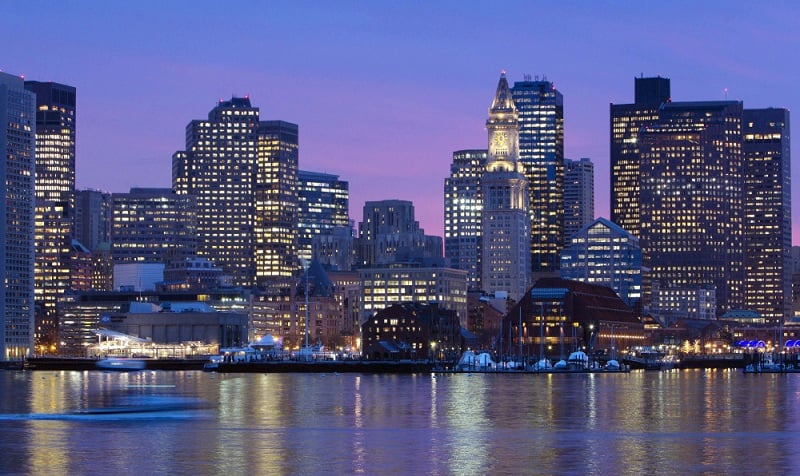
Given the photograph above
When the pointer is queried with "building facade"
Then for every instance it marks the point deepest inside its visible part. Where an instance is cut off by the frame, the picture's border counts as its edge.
(626, 123)
(276, 196)
(218, 167)
(691, 189)
(463, 211)
(768, 213)
(389, 234)
(323, 205)
(604, 254)
(55, 189)
(152, 225)
(18, 169)
(506, 227)
(92, 218)
(540, 107)
(383, 287)
(578, 196)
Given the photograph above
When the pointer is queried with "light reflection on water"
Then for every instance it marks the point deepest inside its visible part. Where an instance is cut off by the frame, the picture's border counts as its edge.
(637, 423)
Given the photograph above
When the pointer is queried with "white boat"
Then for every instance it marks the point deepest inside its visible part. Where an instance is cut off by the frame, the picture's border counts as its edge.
(121, 364)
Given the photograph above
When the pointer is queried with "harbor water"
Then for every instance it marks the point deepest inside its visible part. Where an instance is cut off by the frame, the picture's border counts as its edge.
(676, 422)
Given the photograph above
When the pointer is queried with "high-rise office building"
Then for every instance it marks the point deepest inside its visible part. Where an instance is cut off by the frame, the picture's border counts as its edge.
(218, 167)
(578, 195)
(55, 189)
(541, 153)
(506, 227)
(626, 123)
(152, 225)
(690, 199)
(323, 205)
(463, 209)
(55, 140)
(17, 168)
(768, 213)
(92, 218)
(276, 192)
(389, 234)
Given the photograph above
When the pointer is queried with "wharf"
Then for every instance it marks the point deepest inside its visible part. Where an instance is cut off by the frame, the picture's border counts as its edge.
(64, 363)
(327, 366)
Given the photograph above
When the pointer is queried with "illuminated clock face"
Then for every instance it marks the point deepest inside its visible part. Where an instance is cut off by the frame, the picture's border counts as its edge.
(500, 139)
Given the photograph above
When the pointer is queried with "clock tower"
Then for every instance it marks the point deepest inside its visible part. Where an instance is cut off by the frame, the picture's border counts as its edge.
(506, 235)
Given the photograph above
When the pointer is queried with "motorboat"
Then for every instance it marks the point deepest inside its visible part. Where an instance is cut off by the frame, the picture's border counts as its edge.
(121, 364)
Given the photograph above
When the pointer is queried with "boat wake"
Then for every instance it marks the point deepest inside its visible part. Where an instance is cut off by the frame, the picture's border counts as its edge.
(134, 408)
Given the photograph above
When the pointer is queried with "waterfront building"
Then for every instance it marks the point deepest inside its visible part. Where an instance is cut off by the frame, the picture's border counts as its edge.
(55, 189)
(691, 189)
(92, 218)
(540, 108)
(463, 211)
(768, 213)
(179, 323)
(604, 254)
(218, 167)
(150, 225)
(82, 313)
(276, 202)
(483, 320)
(557, 316)
(578, 196)
(626, 122)
(390, 234)
(412, 331)
(670, 304)
(282, 313)
(506, 226)
(383, 287)
(18, 169)
(323, 206)
(347, 292)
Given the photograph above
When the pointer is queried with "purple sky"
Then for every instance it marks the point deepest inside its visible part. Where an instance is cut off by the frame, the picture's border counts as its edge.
(383, 91)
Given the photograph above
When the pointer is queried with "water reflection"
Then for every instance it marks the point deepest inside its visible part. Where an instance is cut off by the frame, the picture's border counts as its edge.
(637, 423)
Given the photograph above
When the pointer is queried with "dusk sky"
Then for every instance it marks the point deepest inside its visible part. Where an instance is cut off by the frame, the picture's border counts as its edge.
(384, 92)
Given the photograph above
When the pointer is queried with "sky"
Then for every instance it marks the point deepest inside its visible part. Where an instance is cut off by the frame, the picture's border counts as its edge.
(384, 91)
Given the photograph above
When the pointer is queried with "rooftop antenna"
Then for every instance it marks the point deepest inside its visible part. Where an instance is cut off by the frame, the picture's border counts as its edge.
(726, 93)
(526, 77)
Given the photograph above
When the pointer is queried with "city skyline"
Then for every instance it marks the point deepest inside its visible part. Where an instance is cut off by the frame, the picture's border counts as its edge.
(376, 85)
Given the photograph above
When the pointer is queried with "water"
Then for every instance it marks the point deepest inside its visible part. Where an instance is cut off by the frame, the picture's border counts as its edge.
(677, 422)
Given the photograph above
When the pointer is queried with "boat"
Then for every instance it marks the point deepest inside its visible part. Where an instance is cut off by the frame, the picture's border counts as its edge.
(121, 364)
(213, 363)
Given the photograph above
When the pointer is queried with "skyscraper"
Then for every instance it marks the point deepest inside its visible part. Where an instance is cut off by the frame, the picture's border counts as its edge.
(92, 218)
(17, 168)
(389, 234)
(55, 189)
(463, 210)
(276, 192)
(578, 195)
(323, 205)
(768, 213)
(541, 154)
(626, 123)
(506, 238)
(218, 167)
(690, 199)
